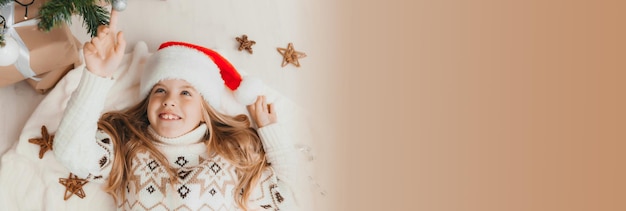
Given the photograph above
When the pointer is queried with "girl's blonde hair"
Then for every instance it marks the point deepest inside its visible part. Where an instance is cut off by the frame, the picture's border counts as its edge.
(229, 136)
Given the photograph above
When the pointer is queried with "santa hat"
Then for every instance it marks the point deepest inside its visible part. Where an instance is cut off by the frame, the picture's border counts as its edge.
(203, 68)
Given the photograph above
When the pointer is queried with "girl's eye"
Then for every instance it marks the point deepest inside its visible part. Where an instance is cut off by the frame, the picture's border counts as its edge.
(159, 90)
(186, 93)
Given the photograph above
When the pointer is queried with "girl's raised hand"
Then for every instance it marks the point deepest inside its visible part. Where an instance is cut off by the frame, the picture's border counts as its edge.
(262, 113)
(104, 53)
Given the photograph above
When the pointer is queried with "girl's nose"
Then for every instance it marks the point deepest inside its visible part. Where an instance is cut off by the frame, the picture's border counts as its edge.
(169, 101)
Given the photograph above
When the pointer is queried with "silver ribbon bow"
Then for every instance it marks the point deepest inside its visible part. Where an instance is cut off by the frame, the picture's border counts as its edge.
(23, 61)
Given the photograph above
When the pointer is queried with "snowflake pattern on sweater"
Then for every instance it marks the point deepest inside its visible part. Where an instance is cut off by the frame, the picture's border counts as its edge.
(203, 183)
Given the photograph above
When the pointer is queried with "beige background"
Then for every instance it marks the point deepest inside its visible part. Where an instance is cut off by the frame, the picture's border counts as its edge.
(439, 105)
(483, 105)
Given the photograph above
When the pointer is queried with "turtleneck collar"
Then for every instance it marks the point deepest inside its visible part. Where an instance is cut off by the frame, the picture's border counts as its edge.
(192, 137)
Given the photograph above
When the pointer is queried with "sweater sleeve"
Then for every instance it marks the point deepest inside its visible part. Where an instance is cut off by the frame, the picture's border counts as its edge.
(283, 169)
(279, 152)
(271, 193)
(78, 144)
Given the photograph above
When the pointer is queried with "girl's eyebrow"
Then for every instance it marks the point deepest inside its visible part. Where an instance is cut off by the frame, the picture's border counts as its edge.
(182, 87)
(188, 87)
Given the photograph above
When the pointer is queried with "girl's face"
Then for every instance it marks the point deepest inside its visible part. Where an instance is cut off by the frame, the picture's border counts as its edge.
(174, 108)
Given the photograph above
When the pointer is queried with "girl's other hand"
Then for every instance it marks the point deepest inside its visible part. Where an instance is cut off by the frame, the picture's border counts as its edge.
(104, 53)
(262, 114)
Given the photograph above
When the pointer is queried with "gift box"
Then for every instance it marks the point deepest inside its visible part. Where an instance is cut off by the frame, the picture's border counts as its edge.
(52, 55)
(49, 79)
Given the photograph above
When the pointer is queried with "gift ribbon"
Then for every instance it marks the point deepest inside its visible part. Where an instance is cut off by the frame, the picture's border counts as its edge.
(23, 61)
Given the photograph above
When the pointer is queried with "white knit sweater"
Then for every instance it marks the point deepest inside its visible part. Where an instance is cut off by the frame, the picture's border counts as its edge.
(204, 182)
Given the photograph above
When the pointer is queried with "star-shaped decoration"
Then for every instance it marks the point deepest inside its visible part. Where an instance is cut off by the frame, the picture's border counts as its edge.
(290, 55)
(244, 43)
(45, 142)
(73, 185)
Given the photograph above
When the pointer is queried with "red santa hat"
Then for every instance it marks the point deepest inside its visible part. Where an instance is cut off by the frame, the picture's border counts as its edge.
(203, 68)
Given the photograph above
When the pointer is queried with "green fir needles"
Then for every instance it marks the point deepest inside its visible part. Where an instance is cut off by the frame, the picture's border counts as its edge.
(55, 12)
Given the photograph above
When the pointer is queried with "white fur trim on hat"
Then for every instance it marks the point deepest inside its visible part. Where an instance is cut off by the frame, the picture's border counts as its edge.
(191, 65)
(248, 90)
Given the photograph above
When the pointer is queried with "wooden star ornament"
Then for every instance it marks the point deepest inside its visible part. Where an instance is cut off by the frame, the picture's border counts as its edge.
(73, 186)
(244, 43)
(45, 142)
(290, 55)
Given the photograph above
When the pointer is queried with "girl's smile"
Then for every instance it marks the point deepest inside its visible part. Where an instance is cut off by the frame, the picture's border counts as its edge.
(169, 116)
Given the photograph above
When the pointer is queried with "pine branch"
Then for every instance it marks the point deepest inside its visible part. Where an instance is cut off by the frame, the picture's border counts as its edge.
(4, 2)
(93, 16)
(54, 12)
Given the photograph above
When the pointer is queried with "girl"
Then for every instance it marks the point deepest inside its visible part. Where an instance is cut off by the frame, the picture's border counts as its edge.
(174, 149)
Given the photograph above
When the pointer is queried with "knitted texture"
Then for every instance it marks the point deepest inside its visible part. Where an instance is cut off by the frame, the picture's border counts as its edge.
(203, 183)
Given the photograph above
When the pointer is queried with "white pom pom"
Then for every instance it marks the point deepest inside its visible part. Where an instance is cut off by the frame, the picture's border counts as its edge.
(248, 90)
